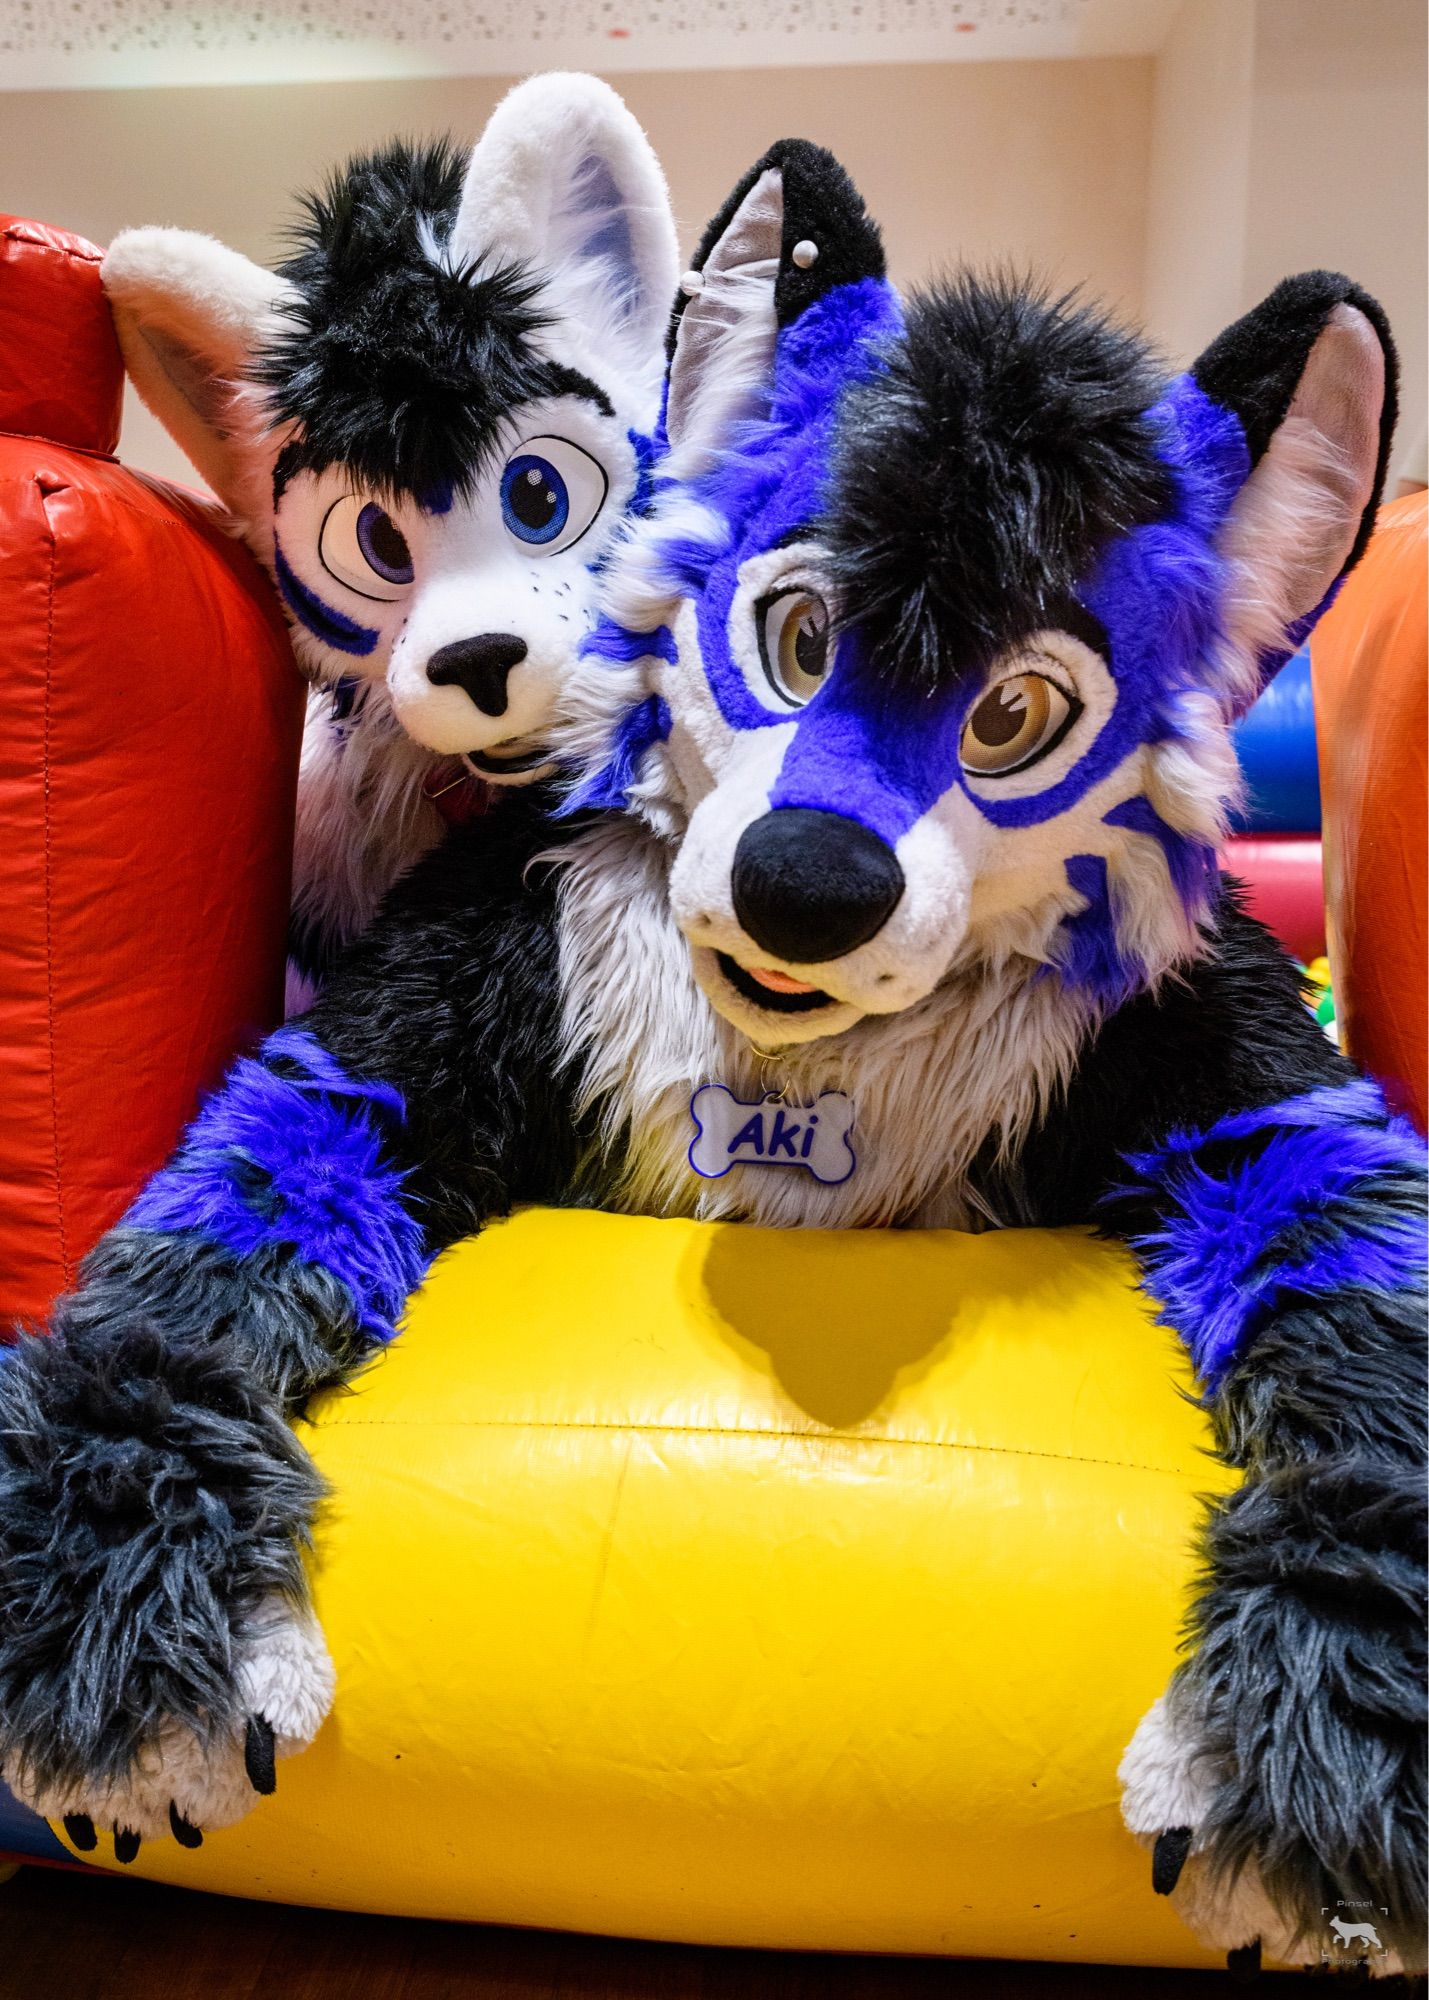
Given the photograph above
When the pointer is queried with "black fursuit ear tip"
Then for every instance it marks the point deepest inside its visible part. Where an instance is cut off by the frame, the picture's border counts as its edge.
(823, 210)
(1253, 368)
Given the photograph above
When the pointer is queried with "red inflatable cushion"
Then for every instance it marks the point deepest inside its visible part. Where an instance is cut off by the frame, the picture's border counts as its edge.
(150, 715)
(62, 378)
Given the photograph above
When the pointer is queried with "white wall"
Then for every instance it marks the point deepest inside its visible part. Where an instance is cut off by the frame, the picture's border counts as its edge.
(1041, 163)
(1288, 134)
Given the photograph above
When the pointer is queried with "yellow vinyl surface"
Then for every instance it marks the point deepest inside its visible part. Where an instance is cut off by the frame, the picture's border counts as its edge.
(747, 1587)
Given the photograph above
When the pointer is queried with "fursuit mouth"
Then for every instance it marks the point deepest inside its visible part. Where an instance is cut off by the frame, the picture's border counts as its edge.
(777, 992)
(505, 760)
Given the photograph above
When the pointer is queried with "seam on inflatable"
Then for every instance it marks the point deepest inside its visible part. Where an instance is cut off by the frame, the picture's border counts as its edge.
(80, 450)
(65, 1271)
(729, 1431)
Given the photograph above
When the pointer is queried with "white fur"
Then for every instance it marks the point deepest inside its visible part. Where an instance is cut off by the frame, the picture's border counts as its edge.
(283, 1674)
(1166, 1783)
(978, 1057)
(724, 345)
(560, 161)
(363, 816)
(189, 313)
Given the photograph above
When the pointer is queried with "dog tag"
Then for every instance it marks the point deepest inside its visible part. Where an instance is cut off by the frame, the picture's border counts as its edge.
(730, 1133)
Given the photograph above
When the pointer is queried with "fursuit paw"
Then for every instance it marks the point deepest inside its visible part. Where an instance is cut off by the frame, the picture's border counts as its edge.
(184, 1782)
(154, 1509)
(1169, 1785)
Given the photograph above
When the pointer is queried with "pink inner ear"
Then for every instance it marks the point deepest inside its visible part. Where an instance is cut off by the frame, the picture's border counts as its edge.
(1293, 526)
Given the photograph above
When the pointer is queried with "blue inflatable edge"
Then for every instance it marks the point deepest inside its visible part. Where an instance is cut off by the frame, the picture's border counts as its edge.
(24, 1832)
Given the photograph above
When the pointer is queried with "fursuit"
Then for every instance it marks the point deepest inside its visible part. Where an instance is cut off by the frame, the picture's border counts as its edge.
(885, 892)
(427, 424)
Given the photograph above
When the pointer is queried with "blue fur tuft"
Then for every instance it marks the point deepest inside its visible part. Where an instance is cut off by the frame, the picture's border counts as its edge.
(608, 789)
(1272, 1206)
(297, 1162)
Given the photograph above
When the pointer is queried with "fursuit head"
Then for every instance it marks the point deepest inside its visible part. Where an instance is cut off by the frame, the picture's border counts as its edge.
(884, 893)
(427, 424)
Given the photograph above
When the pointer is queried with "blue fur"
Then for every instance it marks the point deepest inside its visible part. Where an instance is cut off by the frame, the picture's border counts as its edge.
(1299, 1212)
(297, 1162)
(608, 789)
(1191, 863)
(610, 641)
(343, 634)
(1089, 955)
(771, 483)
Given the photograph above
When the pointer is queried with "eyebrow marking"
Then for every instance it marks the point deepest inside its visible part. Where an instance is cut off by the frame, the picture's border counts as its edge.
(570, 382)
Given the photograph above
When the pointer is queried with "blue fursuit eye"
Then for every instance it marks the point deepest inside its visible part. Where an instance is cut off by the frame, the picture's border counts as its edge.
(534, 502)
(551, 492)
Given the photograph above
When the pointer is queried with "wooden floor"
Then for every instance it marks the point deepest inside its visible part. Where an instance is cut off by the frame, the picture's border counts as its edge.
(68, 1937)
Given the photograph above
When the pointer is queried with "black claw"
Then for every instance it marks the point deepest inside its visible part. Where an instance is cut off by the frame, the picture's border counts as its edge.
(1243, 1964)
(80, 1828)
(126, 1843)
(183, 1830)
(1168, 1858)
(259, 1756)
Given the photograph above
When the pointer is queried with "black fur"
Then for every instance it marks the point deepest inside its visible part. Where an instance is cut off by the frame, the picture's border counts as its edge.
(1254, 366)
(150, 1493)
(1017, 424)
(1231, 1033)
(454, 997)
(1306, 1669)
(1308, 1675)
(391, 362)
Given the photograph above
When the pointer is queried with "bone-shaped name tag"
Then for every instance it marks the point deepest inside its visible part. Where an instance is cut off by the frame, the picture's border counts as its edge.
(730, 1133)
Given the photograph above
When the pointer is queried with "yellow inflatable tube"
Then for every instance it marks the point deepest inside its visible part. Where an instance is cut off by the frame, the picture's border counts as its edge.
(747, 1587)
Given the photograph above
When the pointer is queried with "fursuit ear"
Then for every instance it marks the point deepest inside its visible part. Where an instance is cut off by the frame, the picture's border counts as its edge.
(1312, 375)
(564, 180)
(189, 314)
(793, 230)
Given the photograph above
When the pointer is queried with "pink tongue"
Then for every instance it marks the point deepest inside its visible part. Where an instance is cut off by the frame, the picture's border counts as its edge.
(779, 982)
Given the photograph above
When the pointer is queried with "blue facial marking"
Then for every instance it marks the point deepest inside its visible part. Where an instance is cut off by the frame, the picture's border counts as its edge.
(611, 641)
(876, 757)
(437, 499)
(774, 480)
(607, 789)
(344, 634)
(1089, 955)
(1191, 863)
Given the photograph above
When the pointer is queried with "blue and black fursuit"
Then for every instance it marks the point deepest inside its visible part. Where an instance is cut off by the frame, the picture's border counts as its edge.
(905, 752)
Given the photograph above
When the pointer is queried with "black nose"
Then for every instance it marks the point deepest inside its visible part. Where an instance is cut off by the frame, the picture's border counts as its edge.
(810, 886)
(479, 666)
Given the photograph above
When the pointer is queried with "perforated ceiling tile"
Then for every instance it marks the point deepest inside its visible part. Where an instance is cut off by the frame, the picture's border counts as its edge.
(49, 43)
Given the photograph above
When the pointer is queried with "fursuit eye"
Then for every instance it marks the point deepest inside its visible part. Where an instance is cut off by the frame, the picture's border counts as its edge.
(794, 644)
(362, 546)
(551, 492)
(1015, 724)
